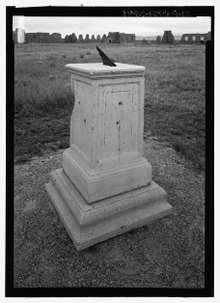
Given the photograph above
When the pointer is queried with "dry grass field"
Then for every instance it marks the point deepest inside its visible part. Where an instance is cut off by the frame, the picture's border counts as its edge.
(174, 94)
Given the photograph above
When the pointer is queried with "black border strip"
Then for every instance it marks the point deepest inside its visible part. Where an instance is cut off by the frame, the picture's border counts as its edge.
(9, 152)
(129, 11)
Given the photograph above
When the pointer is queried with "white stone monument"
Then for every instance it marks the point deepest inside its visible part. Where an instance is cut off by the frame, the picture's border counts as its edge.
(105, 187)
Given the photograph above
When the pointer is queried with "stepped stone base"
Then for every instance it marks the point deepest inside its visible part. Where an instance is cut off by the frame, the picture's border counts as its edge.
(88, 224)
(99, 185)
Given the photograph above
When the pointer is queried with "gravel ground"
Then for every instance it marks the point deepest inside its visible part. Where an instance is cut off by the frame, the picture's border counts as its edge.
(167, 253)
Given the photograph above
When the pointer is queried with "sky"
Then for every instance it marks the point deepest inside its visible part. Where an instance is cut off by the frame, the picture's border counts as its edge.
(102, 25)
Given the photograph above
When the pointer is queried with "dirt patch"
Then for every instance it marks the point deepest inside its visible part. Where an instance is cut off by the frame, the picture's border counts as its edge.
(167, 253)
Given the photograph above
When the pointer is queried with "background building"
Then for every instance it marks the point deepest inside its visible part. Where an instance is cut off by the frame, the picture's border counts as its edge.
(196, 38)
(43, 38)
(168, 37)
(118, 37)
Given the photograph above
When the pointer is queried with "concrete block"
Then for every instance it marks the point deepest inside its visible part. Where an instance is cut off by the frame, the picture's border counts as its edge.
(95, 185)
(89, 224)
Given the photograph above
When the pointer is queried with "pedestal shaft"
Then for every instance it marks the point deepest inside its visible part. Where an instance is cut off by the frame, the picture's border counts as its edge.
(106, 136)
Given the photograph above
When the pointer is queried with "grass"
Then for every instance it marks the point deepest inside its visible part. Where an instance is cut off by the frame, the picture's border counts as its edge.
(174, 94)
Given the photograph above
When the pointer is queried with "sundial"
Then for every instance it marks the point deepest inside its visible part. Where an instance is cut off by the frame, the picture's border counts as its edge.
(105, 59)
(104, 187)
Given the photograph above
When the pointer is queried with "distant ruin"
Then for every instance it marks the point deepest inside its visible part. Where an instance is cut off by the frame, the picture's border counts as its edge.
(19, 36)
(98, 38)
(80, 39)
(158, 39)
(70, 38)
(104, 38)
(43, 38)
(113, 37)
(168, 37)
(195, 38)
(93, 38)
(87, 40)
(117, 37)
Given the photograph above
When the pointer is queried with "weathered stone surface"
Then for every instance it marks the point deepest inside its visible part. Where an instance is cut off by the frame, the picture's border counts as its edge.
(90, 224)
(105, 187)
(94, 70)
(96, 184)
(106, 132)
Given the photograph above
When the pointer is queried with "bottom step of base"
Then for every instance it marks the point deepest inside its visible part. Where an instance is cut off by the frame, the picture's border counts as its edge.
(88, 224)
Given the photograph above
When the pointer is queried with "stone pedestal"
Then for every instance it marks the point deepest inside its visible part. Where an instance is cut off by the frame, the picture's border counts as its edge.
(105, 186)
